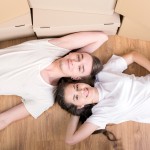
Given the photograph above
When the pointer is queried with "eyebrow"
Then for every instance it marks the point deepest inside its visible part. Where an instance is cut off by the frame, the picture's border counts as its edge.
(73, 95)
(82, 56)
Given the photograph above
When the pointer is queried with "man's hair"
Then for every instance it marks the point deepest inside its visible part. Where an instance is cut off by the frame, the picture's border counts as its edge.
(97, 65)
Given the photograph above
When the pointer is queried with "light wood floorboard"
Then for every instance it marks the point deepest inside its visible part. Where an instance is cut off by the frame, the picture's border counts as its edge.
(48, 131)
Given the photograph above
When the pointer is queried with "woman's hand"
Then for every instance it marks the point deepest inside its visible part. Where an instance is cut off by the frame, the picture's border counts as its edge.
(75, 135)
(140, 59)
(3, 123)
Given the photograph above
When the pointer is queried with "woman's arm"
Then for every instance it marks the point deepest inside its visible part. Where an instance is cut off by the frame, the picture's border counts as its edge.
(140, 59)
(84, 41)
(74, 135)
(16, 113)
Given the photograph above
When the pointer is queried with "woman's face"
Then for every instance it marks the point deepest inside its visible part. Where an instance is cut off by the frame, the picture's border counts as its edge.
(79, 94)
(76, 64)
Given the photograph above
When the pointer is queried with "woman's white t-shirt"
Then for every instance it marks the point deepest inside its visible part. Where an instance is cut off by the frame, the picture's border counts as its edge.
(122, 97)
(20, 68)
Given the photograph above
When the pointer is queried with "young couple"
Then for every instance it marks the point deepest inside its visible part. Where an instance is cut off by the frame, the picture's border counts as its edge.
(32, 69)
(115, 97)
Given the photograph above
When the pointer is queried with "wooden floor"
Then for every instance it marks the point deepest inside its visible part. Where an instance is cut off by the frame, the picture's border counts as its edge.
(48, 131)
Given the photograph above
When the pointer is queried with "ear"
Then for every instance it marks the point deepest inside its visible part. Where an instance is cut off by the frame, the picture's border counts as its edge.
(76, 78)
(79, 107)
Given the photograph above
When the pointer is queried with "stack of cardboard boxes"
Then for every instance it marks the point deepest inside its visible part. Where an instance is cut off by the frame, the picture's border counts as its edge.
(15, 19)
(136, 22)
(56, 17)
(60, 17)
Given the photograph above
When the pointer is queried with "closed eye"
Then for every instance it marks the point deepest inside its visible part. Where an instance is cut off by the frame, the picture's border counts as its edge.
(79, 57)
(81, 69)
(77, 97)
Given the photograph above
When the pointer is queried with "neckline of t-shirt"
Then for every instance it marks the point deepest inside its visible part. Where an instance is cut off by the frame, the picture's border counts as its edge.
(43, 81)
(46, 65)
(100, 92)
(57, 46)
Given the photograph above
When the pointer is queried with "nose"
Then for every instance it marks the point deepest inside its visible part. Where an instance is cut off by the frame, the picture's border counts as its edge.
(73, 61)
(76, 63)
(81, 91)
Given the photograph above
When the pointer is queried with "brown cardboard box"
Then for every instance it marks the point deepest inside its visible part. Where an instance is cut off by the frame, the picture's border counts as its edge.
(16, 22)
(88, 6)
(10, 9)
(133, 30)
(57, 23)
(136, 10)
(16, 28)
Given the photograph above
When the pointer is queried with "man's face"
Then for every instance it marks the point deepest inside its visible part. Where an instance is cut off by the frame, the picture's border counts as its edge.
(76, 64)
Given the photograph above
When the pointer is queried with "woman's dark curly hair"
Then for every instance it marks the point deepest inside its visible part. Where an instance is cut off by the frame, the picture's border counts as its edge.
(59, 96)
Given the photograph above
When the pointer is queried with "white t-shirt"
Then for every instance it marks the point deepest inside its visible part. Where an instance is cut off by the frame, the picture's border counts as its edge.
(20, 68)
(122, 97)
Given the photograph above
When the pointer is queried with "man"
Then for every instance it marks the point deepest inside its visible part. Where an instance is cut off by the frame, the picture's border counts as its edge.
(32, 69)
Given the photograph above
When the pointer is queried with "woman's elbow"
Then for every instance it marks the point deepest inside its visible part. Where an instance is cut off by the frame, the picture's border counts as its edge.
(134, 54)
(70, 142)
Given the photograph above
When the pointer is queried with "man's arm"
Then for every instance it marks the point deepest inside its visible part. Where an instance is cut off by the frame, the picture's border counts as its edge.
(16, 113)
(140, 59)
(84, 41)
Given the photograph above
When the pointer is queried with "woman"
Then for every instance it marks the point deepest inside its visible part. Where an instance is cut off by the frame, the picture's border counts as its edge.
(32, 69)
(116, 97)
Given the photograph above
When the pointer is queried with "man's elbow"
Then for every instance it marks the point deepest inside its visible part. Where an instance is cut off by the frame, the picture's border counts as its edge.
(104, 36)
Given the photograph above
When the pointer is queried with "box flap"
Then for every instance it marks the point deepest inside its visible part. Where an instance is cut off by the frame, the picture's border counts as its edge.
(138, 10)
(13, 33)
(18, 21)
(60, 31)
(90, 6)
(10, 9)
(40, 19)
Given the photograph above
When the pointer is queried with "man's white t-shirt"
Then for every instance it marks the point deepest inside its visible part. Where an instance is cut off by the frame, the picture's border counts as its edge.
(122, 97)
(20, 68)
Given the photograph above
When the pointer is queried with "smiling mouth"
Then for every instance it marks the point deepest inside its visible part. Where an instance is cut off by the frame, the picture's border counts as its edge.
(69, 63)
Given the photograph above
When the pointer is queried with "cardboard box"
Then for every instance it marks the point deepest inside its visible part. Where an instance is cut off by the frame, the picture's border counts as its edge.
(10, 9)
(16, 28)
(16, 22)
(136, 10)
(88, 6)
(133, 30)
(57, 23)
